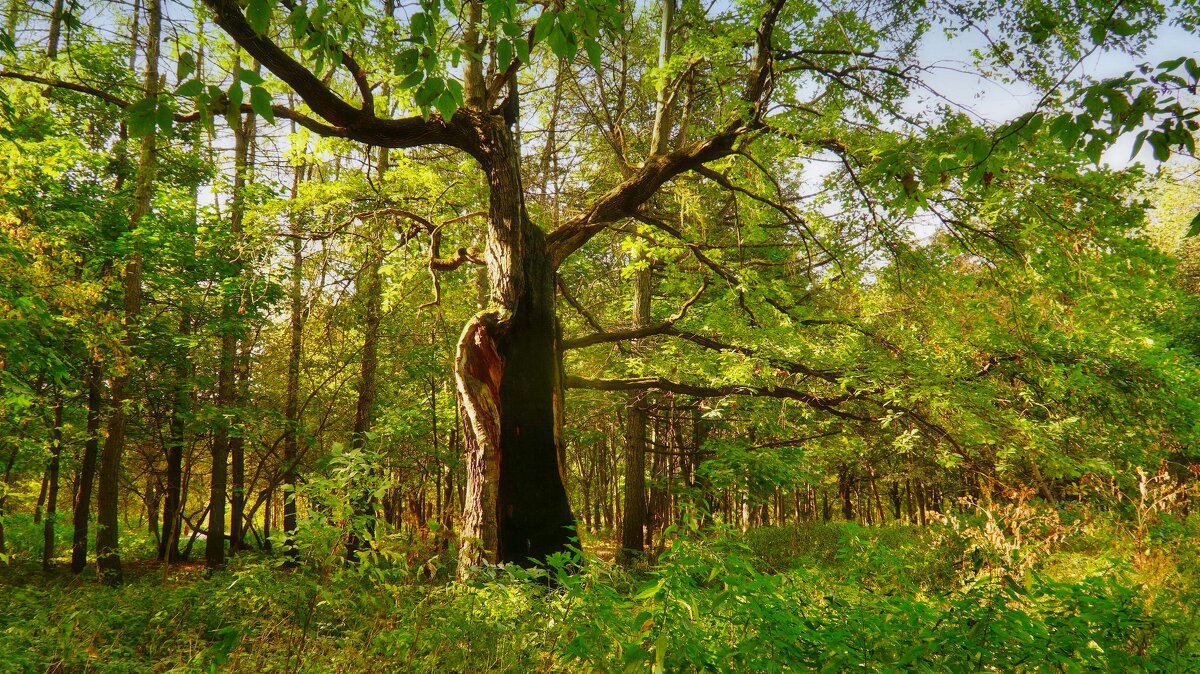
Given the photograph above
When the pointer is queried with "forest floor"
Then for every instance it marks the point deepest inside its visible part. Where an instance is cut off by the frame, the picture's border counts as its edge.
(1049, 591)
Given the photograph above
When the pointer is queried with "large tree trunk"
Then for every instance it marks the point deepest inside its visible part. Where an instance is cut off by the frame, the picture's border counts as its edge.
(509, 383)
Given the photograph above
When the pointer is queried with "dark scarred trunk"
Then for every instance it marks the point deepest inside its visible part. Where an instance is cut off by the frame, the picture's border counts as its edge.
(844, 492)
(509, 384)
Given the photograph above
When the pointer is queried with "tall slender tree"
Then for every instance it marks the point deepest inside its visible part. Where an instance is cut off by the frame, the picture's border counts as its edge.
(108, 558)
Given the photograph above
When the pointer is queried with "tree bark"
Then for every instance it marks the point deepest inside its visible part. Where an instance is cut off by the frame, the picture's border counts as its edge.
(509, 384)
(244, 158)
(634, 523)
(56, 12)
(844, 491)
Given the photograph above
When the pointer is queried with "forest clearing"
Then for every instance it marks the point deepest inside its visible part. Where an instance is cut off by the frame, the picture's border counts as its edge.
(599, 336)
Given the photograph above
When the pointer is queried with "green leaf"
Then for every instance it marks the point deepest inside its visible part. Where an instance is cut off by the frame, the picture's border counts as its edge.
(164, 116)
(593, 52)
(558, 42)
(1137, 144)
(190, 89)
(1172, 63)
(258, 15)
(446, 104)
(141, 117)
(250, 77)
(406, 61)
(504, 54)
(428, 92)
(417, 25)
(542, 29)
(650, 591)
(236, 96)
(298, 20)
(1194, 228)
(185, 67)
(260, 102)
(412, 80)
(455, 88)
(1123, 28)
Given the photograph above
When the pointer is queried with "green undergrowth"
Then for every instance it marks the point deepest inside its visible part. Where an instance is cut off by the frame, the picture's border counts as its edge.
(819, 597)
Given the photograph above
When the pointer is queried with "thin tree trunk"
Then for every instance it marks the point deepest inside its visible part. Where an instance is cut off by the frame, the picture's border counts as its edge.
(214, 545)
(371, 289)
(108, 558)
(844, 490)
(12, 457)
(87, 470)
(661, 134)
(172, 513)
(41, 499)
(52, 480)
(56, 11)
(633, 523)
(243, 168)
(291, 407)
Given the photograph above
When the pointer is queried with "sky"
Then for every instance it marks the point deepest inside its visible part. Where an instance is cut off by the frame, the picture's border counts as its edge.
(997, 102)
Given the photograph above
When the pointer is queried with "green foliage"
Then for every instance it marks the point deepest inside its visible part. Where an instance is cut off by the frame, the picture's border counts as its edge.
(707, 606)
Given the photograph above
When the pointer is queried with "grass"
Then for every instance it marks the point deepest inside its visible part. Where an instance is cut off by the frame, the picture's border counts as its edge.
(816, 597)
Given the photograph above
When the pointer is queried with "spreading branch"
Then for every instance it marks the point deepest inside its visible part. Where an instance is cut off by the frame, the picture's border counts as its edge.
(825, 404)
(665, 327)
(625, 199)
(357, 124)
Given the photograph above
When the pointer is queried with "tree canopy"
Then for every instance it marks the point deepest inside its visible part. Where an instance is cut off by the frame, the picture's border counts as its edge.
(315, 273)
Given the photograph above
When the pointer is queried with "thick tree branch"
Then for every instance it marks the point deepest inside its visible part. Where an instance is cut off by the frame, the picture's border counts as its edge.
(623, 200)
(360, 125)
(356, 71)
(108, 97)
